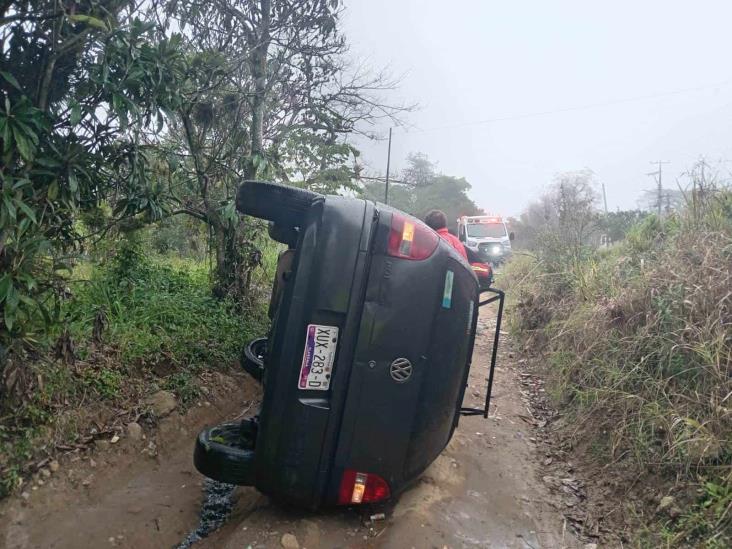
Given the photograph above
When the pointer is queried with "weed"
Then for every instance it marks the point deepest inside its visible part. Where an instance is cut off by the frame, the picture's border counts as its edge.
(164, 312)
(138, 322)
(639, 343)
(184, 385)
(104, 382)
(16, 447)
(708, 521)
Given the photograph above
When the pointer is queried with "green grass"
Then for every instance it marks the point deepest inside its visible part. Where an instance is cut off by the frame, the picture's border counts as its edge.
(163, 311)
(709, 519)
(104, 382)
(639, 346)
(160, 328)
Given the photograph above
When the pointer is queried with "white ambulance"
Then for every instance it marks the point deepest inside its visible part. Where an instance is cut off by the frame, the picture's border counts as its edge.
(487, 235)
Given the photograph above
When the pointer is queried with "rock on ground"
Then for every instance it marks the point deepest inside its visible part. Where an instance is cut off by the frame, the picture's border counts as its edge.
(162, 403)
(134, 431)
(290, 542)
(666, 502)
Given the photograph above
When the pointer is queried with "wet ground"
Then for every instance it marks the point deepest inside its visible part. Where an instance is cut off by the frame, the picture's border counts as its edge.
(483, 491)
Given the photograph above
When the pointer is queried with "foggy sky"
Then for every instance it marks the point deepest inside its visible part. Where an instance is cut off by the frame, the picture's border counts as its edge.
(471, 60)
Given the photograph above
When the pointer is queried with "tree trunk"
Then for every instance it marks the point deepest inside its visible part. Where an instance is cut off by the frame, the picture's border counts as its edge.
(235, 256)
(222, 272)
(258, 66)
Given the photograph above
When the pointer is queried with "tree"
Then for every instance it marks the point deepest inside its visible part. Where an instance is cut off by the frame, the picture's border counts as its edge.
(78, 84)
(538, 217)
(400, 196)
(615, 225)
(268, 93)
(126, 113)
(288, 64)
(694, 187)
(561, 224)
(420, 170)
(575, 198)
(427, 190)
(449, 194)
(671, 200)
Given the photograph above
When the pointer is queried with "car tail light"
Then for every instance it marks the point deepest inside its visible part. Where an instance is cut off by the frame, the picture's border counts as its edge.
(411, 239)
(359, 487)
(481, 268)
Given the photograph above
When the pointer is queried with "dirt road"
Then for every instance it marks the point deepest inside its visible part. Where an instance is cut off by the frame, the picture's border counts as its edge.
(483, 491)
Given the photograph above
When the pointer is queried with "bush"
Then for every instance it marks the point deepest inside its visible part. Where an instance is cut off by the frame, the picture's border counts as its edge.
(137, 324)
(640, 347)
(162, 311)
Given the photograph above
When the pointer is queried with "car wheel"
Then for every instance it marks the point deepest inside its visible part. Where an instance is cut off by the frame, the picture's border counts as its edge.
(252, 357)
(280, 204)
(226, 452)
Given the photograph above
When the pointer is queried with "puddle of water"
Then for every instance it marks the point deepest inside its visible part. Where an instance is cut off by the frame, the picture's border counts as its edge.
(217, 506)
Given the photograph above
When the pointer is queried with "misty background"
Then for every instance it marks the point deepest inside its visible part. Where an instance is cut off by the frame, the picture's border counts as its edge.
(512, 93)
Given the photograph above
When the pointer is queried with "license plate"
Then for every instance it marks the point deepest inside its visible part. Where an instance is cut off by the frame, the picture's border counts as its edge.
(317, 360)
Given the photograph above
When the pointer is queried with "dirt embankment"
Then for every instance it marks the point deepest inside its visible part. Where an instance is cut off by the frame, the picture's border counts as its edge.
(141, 491)
(485, 490)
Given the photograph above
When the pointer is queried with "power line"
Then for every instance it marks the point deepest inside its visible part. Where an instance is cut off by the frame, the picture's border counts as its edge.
(571, 109)
(382, 180)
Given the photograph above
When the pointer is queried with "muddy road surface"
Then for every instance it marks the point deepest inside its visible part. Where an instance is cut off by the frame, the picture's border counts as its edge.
(483, 491)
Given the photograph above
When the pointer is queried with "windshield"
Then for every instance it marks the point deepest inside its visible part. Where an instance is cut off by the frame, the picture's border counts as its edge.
(483, 230)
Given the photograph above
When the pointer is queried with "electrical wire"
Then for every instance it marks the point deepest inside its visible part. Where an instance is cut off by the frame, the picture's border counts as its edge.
(567, 109)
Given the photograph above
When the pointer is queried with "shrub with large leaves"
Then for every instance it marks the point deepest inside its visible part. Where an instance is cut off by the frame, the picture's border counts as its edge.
(79, 95)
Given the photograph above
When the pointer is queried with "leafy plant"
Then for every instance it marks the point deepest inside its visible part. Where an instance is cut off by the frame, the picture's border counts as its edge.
(162, 328)
(69, 140)
(104, 382)
(639, 347)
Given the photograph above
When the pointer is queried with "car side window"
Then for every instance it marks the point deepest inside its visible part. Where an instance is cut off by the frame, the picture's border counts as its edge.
(461, 233)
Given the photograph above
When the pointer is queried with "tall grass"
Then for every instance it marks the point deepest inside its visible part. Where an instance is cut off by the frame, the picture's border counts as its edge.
(135, 325)
(639, 340)
(161, 310)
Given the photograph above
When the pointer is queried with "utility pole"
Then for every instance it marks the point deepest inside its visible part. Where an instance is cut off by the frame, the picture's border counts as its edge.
(659, 180)
(388, 163)
(604, 197)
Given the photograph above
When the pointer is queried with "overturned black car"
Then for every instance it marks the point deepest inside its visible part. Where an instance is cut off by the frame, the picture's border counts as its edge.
(364, 370)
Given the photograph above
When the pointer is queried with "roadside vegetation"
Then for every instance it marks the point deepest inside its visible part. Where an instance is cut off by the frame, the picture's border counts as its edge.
(421, 188)
(131, 325)
(636, 338)
(125, 130)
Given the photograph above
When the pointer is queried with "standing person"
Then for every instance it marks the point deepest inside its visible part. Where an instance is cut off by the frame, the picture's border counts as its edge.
(437, 220)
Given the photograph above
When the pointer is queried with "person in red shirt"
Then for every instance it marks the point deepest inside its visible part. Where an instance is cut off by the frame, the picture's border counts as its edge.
(437, 220)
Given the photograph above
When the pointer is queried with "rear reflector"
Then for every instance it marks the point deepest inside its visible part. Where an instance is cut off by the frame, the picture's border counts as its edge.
(362, 488)
(411, 239)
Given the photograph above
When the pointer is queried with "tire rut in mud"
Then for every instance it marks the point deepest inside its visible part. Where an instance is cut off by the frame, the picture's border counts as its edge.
(218, 503)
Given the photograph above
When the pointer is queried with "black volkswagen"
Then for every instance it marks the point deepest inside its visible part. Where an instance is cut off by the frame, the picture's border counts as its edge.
(365, 366)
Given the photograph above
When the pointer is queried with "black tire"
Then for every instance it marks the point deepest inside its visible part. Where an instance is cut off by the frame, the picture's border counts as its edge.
(283, 233)
(226, 452)
(486, 283)
(281, 204)
(252, 357)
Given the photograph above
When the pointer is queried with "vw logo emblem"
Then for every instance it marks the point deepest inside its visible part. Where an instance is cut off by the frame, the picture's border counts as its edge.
(400, 370)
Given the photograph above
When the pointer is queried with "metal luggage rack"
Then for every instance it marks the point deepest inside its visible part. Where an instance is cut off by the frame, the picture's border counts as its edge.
(500, 297)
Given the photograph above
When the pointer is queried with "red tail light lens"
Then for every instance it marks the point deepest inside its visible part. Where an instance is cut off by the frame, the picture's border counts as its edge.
(481, 269)
(411, 239)
(362, 488)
